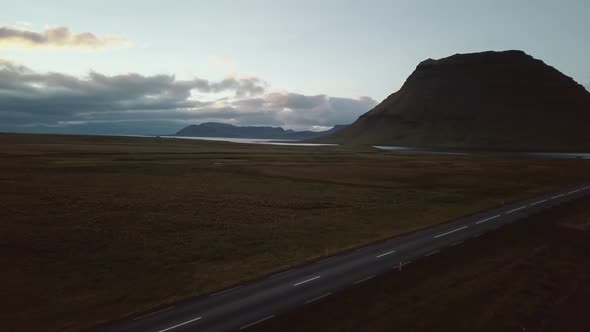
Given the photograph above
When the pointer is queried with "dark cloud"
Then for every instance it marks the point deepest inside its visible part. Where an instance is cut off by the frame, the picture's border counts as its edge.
(320, 110)
(296, 101)
(57, 36)
(98, 103)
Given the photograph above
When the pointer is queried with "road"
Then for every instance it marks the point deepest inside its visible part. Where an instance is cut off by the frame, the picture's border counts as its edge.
(244, 306)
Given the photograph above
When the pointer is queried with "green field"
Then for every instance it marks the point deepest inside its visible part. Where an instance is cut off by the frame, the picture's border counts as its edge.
(95, 228)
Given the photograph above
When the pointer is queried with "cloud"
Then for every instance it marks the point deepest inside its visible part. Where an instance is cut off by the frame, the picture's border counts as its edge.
(302, 111)
(227, 63)
(57, 37)
(24, 23)
(160, 104)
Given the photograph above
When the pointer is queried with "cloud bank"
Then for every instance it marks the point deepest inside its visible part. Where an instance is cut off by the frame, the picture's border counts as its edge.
(57, 37)
(160, 104)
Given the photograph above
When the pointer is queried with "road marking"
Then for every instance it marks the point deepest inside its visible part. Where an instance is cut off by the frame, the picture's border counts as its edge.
(317, 298)
(181, 324)
(385, 254)
(280, 274)
(225, 291)
(256, 322)
(539, 202)
(490, 218)
(453, 231)
(363, 280)
(152, 313)
(586, 188)
(406, 263)
(477, 235)
(573, 192)
(306, 281)
(432, 253)
(456, 243)
(520, 208)
(555, 197)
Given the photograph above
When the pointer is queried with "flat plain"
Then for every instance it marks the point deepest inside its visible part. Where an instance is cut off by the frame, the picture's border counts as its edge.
(95, 228)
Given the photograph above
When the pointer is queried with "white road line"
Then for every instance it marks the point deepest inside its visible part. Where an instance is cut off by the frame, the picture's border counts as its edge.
(280, 274)
(520, 208)
(317, 298)
(478, 235)
(385, 254)
(306, 281)
(573, 192)
(256, 322)
(432, 253)
(586, 188)
(555, 197)
(490, 218)
(181, 324)
(406, 263)
(453, 231)
(152, 313)
(225, 291)
(539, 202)
(363, 280)
(456, 243)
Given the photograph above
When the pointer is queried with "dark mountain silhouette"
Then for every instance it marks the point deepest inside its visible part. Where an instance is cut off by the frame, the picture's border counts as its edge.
(216, 129)
(489, 100)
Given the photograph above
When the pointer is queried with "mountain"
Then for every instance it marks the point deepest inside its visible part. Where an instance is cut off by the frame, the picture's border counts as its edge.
(216, 129)
(490, 100)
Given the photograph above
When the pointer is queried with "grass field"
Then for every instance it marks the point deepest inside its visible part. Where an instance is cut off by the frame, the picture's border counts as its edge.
(95, 228)
(530, 276)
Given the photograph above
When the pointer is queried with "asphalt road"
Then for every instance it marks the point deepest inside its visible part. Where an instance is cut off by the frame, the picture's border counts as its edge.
(244, 306)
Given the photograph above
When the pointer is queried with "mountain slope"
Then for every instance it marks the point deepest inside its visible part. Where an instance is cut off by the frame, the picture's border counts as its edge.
(489, 100)
(216, 129)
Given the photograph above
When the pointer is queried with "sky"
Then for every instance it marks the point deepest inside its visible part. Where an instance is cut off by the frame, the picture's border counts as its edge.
(153, 67)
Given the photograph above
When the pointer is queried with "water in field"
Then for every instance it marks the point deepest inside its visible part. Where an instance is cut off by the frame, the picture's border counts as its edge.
(408, 149)
(581, 155)
(252, 141)
(391, 148)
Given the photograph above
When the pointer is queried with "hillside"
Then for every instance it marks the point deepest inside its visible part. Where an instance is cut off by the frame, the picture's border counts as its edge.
(491, 100)
(216, 129)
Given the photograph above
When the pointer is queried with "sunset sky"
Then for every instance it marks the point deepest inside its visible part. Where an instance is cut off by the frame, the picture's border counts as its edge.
(152, 67)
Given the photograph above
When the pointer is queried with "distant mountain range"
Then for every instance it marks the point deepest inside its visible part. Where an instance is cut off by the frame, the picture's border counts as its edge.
(490, 100)
(216, 129)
